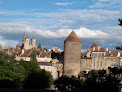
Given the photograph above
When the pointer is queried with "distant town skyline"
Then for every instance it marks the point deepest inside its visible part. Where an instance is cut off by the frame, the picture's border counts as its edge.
(51, 21)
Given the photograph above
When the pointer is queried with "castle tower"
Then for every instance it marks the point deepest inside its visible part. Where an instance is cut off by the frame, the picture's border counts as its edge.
(72, 55)
(33, 42)
(26, 43)
(24, 37)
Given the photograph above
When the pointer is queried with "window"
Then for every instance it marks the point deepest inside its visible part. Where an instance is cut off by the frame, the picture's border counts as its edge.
(97, 58)
(97, 63)
(101, 63)
(105, 64)
(101, 59)
(94, 58)
(94, 63)
(97, 54)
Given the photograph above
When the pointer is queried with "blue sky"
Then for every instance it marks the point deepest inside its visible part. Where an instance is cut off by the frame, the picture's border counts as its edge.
(51, 21)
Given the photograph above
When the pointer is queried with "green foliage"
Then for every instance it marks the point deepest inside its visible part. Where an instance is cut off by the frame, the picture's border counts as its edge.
(15, 74)
(33, 55)
(45, 49)
(102, 83)
(39, 46)
(9, 71)
(68, 84)
(29, 67)
(39, 80)
(120, 20)
(119, 47)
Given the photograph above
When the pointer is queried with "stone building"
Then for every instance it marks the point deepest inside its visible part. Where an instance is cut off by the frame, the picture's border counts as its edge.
(72, 55)
(26, 43)
(97, 58)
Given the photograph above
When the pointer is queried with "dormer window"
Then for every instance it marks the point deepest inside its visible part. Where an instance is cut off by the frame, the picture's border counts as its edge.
(111, 54)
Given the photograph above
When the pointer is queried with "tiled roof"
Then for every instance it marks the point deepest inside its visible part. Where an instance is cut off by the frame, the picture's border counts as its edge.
(83, 54)
(72, 37)
(56, 51)
(112, 53)
(94, 45)
(26, 53)
(100, 50)
(44, 54)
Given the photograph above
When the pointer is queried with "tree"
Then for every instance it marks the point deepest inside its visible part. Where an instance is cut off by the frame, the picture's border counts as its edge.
(39, 46)
(120, 20)
(100, 82)
(33, 55)
(39, 80)
(9, 72)
(65, 83)
(117, 47)
(29, 67)
(45, 49)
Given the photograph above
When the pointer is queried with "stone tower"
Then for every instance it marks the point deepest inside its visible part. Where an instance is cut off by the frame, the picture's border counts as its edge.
(26, 44)
(24, 38)
(33, 42)
(72, 55)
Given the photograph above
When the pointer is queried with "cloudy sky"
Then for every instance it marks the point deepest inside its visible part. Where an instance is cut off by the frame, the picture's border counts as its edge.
(51, 21)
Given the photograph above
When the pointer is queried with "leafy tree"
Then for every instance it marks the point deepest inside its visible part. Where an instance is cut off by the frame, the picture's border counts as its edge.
(9, 71)
(39, 46)
(120, 20)
(100, 82)
(117, 47)
(29, 67)
(65, 83)
(33, 55)
(39, 80)
(45, 49)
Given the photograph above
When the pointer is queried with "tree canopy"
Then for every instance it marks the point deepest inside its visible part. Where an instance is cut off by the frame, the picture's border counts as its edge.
(39, 80)
(19, 74)
(39, 46)
(120, 20)
(65, 83)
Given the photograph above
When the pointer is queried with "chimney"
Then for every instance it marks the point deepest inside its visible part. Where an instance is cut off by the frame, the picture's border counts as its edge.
(106, 49)
(118, 55)
(22, 51)
(98, 48)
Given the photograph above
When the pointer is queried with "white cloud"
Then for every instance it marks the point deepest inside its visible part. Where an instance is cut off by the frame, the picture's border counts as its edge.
(50, 38)
(111, 4)
(8, 43)
(64, 4)
(13, 28)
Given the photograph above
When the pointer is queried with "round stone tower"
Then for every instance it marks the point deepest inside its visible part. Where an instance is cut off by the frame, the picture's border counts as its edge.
(72, 55)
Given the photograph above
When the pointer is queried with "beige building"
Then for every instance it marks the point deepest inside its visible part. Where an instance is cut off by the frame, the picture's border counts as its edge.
(97, 58)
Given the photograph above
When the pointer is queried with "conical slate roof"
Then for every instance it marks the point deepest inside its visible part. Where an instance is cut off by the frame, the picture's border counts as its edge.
(72, 37)
(94, 45)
